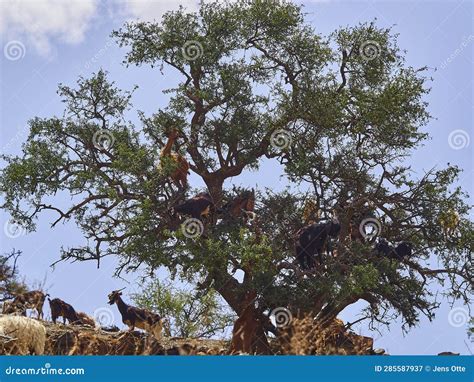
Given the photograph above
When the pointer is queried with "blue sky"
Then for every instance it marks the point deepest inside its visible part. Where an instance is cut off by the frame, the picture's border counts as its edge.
(48, 42)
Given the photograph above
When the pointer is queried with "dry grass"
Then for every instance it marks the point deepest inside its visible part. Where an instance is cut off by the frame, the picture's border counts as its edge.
(83, 340)
(304, 337)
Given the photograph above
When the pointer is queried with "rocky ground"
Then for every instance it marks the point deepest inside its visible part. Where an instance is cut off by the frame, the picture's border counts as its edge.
(80, 340)
(85, 340)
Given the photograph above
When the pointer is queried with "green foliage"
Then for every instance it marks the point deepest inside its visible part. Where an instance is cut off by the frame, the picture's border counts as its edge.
(354, 118)
(189, 314)
(10, 282)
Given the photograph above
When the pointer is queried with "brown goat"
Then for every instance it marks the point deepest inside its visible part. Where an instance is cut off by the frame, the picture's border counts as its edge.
(28, 300)
(59, 308)
(137, 317)
(179, 175)
(242, 205)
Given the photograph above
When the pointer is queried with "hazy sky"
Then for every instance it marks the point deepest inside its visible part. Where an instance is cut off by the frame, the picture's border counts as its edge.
(48, 42)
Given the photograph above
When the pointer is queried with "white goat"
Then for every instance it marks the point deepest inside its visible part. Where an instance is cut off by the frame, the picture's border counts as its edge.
(27, 335)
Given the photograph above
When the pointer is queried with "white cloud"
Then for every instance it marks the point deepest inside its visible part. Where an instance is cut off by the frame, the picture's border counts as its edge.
(149, 10)
(40, 22)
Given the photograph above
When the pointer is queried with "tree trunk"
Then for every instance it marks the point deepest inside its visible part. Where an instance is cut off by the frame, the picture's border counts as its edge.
(261, 345)
(214, 185)
(248, 332)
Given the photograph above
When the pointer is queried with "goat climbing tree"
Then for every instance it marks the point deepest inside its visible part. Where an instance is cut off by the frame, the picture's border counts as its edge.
(340, 113)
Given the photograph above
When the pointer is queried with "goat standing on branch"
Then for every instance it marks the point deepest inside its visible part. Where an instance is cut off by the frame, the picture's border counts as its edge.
(242, 205)
(198, 207)
(314, 239)
(180, 166)
(402, 251)
(137, 317)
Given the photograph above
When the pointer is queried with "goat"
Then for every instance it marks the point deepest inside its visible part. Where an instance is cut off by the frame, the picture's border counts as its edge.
(9, 308)
(314, 239)
(242, 205)
(27, 335)
(384, 248)
(59, 308)
(403, 250)
(137, 317)
(28, 300)
(197, 207)
(180, 171)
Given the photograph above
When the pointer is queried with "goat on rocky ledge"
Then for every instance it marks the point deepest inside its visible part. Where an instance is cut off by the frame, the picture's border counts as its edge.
(29, 300)
(137, 317)
(59, 308)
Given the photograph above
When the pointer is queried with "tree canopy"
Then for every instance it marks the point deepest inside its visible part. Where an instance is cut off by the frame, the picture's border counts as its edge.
(254, 81)
(10, 282)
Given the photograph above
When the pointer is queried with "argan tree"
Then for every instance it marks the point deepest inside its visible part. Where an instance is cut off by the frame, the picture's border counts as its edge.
(10, 282)
(340, 113)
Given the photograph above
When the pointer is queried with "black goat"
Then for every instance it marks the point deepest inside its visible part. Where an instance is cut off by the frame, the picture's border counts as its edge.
(137, 317)
(197, 207)
(314, 239)
(404, 250)
(401, 251)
